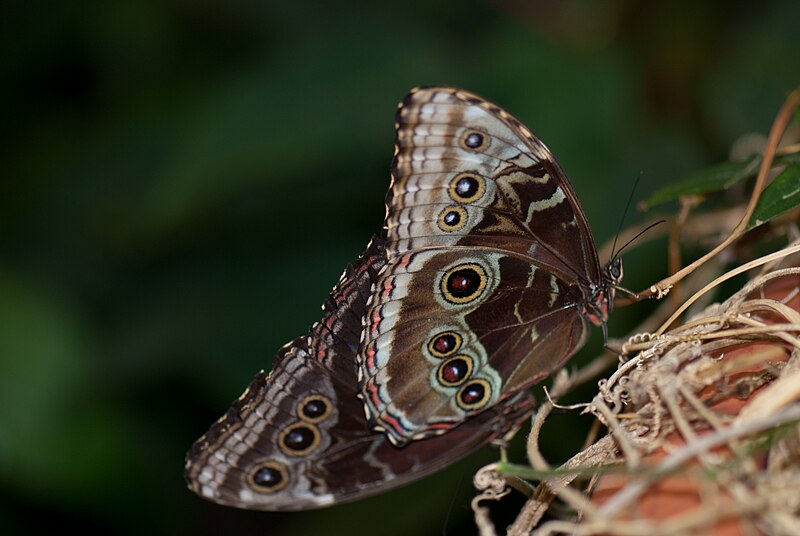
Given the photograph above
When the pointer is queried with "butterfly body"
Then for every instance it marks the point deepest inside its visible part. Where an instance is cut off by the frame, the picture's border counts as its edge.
(484, 280)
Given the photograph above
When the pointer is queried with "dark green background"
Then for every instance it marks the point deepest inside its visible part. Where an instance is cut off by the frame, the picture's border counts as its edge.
(183, 182)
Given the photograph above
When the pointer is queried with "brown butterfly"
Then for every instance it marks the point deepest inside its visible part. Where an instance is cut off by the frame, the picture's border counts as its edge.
(484, 280)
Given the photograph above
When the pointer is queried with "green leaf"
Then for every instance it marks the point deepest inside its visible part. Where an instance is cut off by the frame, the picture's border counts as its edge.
(711, 179)
(782, 194)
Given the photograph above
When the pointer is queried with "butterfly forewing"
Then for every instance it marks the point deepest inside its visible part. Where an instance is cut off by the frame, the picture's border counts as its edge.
(515, 192)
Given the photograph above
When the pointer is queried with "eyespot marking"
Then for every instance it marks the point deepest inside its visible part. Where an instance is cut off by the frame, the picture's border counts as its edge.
(467, 187)
(299, 439)
(463, 283)
(474, 395)
(445, 344)
(314, 408)
(455, 370)
(452, 218)
(474, 140)
(268, 477)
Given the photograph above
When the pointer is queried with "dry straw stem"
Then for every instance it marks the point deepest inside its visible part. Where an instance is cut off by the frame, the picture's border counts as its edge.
(776, 132)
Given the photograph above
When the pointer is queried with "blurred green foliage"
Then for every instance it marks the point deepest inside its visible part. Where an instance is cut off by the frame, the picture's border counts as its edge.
(183, 182)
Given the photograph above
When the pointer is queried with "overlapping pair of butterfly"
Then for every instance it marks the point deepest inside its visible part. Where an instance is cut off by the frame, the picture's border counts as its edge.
(484, 280)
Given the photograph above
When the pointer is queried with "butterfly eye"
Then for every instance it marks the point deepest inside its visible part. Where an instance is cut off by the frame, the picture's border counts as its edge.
(615, 270)
(269, 477)
(314, 408)
(467, 187)
(474, 395)
(473, 140)
(452, 219)
(463, 283)
(444, 344)
(299, 439)
(455, 370)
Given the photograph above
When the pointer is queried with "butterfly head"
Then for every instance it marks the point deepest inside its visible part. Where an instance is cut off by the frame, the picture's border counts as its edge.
(599, 306)
(613, 273)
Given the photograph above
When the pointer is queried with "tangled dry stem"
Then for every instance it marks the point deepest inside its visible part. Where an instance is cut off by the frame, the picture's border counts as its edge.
(667, 414)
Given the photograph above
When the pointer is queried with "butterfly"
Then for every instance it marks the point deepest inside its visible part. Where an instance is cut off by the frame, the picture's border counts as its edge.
(484, 279)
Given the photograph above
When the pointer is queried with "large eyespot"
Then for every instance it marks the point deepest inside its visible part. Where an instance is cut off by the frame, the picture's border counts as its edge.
(268, 477)
(299, 439)
(444, 344)
(455, 370)
(314, 408)
(452, 218)
(463, 283)
(474, 140)
(474, 395)
(467, 187)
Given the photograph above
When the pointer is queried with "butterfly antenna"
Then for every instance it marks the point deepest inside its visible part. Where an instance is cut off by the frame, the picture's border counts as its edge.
(614, 252)
(633, 296)
(640, 233)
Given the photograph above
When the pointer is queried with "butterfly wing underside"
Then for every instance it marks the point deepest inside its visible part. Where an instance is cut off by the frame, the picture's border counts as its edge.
(490, 261)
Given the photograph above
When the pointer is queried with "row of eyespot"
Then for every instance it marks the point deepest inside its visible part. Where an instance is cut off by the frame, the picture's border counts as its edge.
(297, 439)
(456, 369)
(465, 187)
(462, 284)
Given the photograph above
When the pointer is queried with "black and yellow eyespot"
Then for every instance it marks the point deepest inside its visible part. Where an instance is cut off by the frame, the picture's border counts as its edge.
(314, 408)
(268, 477)
(463, 283)
(452, 218)
(474, 140)
(299, 439)
(455, 370)
(467, 187)
(474, 395)
(445, 344)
